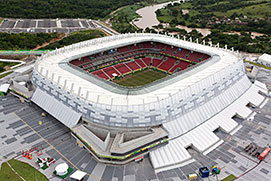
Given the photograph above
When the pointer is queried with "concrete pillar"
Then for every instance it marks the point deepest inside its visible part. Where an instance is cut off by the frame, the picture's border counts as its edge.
(58, 80)
(79, 91)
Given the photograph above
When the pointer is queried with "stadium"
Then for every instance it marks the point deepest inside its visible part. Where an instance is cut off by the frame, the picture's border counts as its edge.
(128, 95)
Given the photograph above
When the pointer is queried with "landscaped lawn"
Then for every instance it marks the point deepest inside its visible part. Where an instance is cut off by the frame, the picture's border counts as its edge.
(26, 171)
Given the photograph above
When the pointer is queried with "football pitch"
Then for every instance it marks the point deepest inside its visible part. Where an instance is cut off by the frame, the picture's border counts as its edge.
(140, 78)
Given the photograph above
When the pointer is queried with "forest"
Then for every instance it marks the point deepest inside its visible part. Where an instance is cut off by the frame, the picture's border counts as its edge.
(16, 41)
(61, 8)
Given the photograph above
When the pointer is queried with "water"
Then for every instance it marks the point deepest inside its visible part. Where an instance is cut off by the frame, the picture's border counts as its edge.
(148, 16)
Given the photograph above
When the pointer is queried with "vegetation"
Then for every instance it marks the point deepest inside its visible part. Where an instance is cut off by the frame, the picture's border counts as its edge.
(7, 174)
(122, 19)
(62, 9)
(140, 78)
(24, 40)
(75, 37)
(3, 64)
(229, 178)
(230, 15)
(229, 20)
(243, 42)
(23, 169)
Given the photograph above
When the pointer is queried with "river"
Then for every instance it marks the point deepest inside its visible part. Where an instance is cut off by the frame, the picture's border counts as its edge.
(148, 16)
(149, 19)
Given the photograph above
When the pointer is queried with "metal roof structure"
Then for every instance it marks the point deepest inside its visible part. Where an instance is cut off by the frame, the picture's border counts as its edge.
(53, 106)
(53, 67)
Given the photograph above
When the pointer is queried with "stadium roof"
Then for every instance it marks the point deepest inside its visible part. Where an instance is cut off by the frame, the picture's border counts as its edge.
(54, 67)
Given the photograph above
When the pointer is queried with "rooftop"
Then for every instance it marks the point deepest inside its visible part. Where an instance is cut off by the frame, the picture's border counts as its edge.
(54, 67)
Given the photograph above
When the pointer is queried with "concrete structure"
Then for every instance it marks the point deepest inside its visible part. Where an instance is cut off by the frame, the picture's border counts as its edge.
(189, 106)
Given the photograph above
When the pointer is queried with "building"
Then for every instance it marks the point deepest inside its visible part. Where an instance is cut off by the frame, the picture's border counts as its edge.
(119, 124)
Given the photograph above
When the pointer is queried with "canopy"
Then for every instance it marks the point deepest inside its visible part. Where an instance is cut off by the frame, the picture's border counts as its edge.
(62, 169)
(60, 111)
(78, 175)
(4, 88)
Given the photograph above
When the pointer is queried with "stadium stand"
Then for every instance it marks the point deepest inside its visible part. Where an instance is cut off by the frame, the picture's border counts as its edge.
(109, 71)
(147, 60)
(156, 62)
(133, 65)
(100, 74)
(118, 61)
(122, 68)
(167, 64)
(182, 65)
(141, 63)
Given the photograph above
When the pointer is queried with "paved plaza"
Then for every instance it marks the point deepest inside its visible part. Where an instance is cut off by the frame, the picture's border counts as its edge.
(21, 130)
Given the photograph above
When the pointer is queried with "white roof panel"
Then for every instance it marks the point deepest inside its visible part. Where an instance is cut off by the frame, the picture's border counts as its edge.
(4, 88)
(51, 63)
(56, 108)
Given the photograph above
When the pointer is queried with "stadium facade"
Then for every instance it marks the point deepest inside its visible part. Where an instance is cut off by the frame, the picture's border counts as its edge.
(118, 124)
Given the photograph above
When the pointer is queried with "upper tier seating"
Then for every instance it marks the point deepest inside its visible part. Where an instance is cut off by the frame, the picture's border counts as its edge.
(169, 50)
(194, 56)
(76, 62)
(182, 53)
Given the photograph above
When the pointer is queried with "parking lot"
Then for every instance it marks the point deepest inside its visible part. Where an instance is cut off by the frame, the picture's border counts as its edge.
(46, 25)
(21, 129)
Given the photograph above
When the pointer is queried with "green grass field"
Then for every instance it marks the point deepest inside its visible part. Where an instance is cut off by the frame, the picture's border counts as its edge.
(140, 78)
(26, 171)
